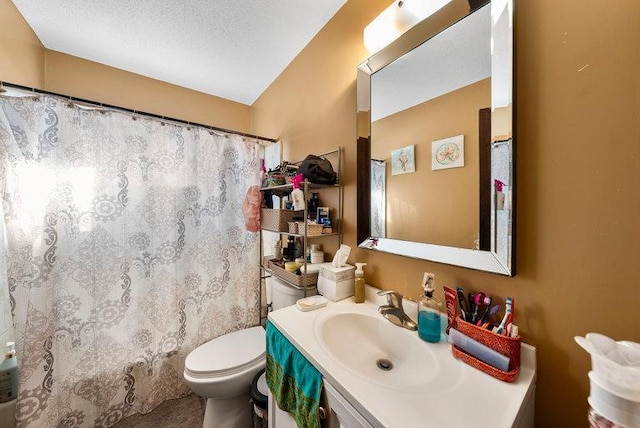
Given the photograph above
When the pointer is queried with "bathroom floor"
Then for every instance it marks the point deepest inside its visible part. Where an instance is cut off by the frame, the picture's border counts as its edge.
(184, 412)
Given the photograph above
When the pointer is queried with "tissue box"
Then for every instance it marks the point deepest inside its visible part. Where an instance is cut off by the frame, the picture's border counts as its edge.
(336, 283)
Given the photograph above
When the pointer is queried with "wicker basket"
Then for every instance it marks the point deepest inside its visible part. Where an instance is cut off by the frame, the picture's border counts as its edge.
(304, 280)
(509, 346)
(312, 228)
(298, 227)
(277, 220)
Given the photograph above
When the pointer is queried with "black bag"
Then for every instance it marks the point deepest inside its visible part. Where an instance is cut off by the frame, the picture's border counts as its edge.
(318, 170)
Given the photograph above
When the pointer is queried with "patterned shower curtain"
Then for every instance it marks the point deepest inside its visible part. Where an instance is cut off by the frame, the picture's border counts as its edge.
(125, 249)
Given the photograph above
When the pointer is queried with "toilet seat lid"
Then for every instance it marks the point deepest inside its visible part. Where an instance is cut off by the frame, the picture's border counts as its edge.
(227, 354)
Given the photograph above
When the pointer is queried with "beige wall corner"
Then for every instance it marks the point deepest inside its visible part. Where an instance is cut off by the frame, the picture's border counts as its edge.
(25, 61)
(69, 75)
(21, 53)
(311, 105)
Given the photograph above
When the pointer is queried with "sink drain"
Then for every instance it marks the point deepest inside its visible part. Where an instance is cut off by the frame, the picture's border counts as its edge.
(384, 364)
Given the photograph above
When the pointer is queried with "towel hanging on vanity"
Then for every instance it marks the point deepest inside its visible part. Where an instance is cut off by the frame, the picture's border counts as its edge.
(294, 382)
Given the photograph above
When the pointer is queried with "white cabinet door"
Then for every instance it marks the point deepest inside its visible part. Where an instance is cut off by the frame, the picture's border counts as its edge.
(278, 418)
(347, 416)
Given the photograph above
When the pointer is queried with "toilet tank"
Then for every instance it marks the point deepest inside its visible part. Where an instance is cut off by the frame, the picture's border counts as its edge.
(283, 294)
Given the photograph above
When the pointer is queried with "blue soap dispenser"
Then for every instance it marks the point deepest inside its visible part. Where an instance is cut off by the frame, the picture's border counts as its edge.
(429, 309)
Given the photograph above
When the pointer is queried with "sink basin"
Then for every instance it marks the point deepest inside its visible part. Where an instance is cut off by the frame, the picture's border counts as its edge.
(376, 350)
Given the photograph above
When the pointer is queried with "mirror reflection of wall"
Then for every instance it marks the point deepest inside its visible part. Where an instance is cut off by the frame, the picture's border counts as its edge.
(440, 206)
(415, 101)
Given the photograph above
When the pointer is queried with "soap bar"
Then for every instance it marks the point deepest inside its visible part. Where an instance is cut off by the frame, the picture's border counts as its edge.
(311, 303)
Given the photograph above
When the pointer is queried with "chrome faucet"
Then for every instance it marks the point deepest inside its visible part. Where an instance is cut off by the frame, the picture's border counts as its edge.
(394, 312)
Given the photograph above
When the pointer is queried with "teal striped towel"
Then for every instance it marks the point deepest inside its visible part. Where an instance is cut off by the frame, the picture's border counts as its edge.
(294, 382)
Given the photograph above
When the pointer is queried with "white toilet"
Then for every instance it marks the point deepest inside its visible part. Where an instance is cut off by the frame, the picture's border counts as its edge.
(222, 369)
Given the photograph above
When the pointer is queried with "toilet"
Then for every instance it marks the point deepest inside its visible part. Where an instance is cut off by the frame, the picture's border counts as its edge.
(222, 370)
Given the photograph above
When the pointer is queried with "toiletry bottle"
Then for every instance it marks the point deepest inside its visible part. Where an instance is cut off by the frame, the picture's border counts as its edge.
(9, 375)
(297, 195)
(429, 312)
(312, 207)
(277, 249)
(288, 253)
(317, 256)
(359, 291)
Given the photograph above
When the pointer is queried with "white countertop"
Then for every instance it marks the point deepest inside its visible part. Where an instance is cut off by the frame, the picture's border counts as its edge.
(459, 396)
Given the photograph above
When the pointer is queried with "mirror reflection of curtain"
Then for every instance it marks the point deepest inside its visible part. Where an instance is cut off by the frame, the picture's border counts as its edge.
(125, 249)
(501, 206)
(378, 202)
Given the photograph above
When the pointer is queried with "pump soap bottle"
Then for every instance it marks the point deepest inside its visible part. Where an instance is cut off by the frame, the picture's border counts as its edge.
(429, 309)
(9, 375)
(359, 288)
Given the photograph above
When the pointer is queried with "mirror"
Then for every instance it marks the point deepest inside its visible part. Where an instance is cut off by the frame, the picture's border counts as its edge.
(436, 140)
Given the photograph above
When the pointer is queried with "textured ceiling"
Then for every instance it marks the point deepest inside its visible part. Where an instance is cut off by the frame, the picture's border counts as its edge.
(229, 48)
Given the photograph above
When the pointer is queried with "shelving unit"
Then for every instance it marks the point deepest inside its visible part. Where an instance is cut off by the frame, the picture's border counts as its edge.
(335, 157)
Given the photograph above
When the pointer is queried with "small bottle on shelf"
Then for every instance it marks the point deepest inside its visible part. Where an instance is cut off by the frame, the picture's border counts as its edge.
(316, 256)
(277, 249)
(288, 253)
(312, 207)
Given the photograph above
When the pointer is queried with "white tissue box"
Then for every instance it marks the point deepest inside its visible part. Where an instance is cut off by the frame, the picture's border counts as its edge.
(336, 283)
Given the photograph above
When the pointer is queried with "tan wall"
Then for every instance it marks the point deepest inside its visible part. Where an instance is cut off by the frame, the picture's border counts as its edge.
(440, 207)
(578, 169)
(21, 53)
(311, 105)
(77, 77)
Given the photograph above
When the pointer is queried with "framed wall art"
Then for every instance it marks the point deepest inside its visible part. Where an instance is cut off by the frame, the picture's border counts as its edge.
(403, 160)
(447, 153)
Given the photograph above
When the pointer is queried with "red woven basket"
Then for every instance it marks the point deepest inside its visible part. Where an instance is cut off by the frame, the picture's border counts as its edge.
(509, 346)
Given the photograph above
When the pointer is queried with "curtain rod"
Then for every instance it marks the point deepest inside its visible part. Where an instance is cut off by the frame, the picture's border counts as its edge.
(157, 116)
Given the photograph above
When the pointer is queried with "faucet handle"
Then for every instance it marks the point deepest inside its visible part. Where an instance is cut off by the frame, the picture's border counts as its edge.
(393, 297)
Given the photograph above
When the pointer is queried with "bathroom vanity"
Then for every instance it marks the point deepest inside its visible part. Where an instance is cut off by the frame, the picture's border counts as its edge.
(352, 344)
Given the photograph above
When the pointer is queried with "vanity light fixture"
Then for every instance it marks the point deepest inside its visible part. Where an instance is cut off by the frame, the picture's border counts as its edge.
(396, 20)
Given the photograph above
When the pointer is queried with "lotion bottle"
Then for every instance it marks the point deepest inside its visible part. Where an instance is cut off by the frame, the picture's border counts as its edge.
(297, 195)
(359, 286)
(9, 375)
(429, 309)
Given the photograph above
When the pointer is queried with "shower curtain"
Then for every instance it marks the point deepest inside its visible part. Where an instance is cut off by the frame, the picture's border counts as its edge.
(125, 249)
